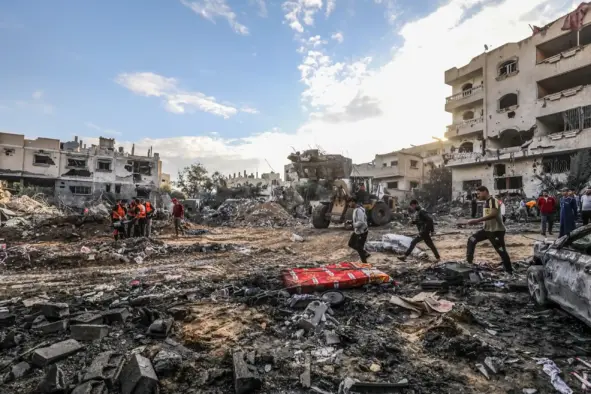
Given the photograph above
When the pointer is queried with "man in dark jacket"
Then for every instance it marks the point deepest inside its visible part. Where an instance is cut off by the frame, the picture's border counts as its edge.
(426, 227)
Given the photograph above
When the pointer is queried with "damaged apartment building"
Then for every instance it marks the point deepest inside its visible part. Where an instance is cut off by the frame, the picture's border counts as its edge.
(521, 110)
(78, 173)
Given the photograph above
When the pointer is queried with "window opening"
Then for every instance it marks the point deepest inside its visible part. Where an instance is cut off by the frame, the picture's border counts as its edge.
(42, 160)
(508, 100)
(414, 164)
(508, 68)
(104, 165)
(80, 190)
(77, 163)
(392, 185)
(468, 115)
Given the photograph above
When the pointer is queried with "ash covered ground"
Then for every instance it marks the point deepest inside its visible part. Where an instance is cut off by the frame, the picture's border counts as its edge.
(208, 313)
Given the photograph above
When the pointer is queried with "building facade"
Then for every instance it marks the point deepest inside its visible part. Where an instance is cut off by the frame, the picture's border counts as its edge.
(78, 173)
(401, 171)
(520, 111)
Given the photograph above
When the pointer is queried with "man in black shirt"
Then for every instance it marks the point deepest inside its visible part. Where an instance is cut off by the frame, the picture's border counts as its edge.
(426, 227)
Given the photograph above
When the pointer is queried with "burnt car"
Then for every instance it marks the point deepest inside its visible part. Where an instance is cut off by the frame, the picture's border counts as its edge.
(561, 273)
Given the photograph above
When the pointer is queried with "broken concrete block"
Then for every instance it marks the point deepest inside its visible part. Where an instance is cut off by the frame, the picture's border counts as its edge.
(246, 378)
(89, 332)
(317, 309)
(54, 381)
(53, 310)
(138, 376)
(7, 319)
(167, 362)
(331, 338)
(48, 328)
(457, 273)
(87, 318)
(58, 351)
(306, 376)
(106, 366)
(10, 340)
(20, 370)
(118, 315)
(91, 387)
(160, 328)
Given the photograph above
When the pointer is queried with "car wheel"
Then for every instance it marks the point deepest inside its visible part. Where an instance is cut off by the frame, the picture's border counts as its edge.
(536, 286)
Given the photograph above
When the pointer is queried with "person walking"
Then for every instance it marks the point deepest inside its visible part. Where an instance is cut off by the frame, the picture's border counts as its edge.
(547, 205)
(568, 212)
(586, 207)
(426, 227)
(117, 217)
(178, 214)
(493, 231)
(131, 215)
(360, 230)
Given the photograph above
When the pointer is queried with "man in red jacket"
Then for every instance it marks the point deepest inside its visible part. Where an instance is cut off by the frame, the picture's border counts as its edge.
(547, 205)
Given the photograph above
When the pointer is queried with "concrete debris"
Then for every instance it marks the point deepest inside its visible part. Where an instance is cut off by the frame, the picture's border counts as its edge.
(167, 362)
(394, 243)
(54, 381)
(53, 310)
(91, 387)
(138, 376)
(246, 378)
(89, 332)
(56, 352)
(107, 367)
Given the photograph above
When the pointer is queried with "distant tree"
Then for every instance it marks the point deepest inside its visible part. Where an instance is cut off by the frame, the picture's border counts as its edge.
(437, 188)
(218, 180)
(166, 189)
(178, 195)
(192, 180)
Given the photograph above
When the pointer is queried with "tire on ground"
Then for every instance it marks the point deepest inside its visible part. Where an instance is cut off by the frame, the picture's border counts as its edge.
(380, 214)
(535, 285)
(319, 219)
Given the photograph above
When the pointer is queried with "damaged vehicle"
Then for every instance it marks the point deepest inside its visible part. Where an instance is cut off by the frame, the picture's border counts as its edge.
(561, 273)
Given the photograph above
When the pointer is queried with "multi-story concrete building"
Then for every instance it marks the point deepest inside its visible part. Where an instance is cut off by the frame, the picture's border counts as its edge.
(520, 110)
(401, 171)
(78, 173)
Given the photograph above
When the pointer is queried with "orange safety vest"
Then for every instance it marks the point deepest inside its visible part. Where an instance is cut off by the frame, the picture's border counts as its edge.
(149, 207)
(131, 210)
(119, 213)
(142, 213)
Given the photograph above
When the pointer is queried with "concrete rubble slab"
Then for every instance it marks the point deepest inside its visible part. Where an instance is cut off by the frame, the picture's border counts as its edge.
(246, 377)
(106, 366)
(89, 332)
(87, 318)
(138, 376)
(167, 362)
(56, 352)
(54, 381)
(117, 315)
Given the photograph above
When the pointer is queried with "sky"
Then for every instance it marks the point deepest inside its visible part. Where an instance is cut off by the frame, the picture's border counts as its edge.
(240, 84)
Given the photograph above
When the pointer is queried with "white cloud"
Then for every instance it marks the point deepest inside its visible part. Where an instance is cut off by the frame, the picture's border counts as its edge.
(102, 130)
(338, 36)
(298, 11)
(316, 41)
(330, 6)
(36, 103)
(37, 95)
(249, 110)
(213, 9)
(359, 109)
(176, 100)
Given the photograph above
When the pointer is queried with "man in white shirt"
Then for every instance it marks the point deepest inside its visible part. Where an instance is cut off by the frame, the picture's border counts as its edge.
(586, 207)
(360, 230)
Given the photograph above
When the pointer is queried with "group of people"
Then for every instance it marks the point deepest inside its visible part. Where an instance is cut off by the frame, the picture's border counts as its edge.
(493, 218)
(133, 219)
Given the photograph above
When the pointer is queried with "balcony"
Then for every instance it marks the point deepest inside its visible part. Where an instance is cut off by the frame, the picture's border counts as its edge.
(464, 99)
(458, 75)
(386, 172)
(564, 100)
(561, 63)
(465, 127)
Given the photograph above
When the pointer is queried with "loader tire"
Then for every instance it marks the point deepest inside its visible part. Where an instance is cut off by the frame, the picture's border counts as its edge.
(380, 214)
(319, 219)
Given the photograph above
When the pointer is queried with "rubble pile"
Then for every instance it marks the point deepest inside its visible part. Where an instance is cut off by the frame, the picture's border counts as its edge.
(133, 250)
(249, 213)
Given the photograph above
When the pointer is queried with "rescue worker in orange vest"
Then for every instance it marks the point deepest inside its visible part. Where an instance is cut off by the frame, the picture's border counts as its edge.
(131, 216)
(150, 211)
(117, 218)
(140, 218)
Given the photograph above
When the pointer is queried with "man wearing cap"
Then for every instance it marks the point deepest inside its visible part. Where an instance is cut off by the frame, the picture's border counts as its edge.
(178, 213)
(568, 212)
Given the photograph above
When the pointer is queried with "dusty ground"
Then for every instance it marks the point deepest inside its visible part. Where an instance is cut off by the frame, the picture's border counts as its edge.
(437, 354)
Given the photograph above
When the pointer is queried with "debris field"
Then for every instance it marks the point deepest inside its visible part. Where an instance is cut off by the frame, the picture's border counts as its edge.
(210, 313)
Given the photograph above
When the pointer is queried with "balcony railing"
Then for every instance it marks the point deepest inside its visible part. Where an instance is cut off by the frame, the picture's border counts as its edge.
(465, 93)
(465, 123)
